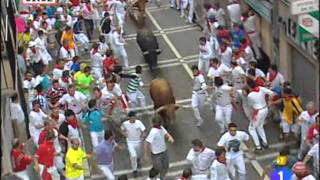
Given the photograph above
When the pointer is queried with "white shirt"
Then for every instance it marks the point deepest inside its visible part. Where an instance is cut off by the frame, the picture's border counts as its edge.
(33, 57)
(257, 100)
(234, 11)
(219, 171)
(236, 74)
(73, 102)
(307, 122)
(57, 73)
(222, 71)
(276, 81)
(103, 47)
(134, 130)
(226, 56)
(215, 48)
(219, 15)
(36, 119)
(201, 161)
(309, 177)
(72, 132)
(41, 43)
(16, 112)
(242, 62)
(250, 24)
(205, 51)
(314, 153)
(198, 84)
(120, 7)
(30, 85)
(117, 40)
(64, 54)
(156, 138)
(259, 73)
(222, 94)
(64, 84)
(226, 138)
(67, 65)
(96, 60)
(249, 56)
(115, 91)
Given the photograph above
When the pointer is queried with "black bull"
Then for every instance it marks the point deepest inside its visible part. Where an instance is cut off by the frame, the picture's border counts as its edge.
(149, 46)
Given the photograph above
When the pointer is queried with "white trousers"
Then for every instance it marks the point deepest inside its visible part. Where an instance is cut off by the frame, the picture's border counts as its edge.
(256, 43)
(78, 178)
(137, 99)
(82, 39)
(134, 148)
(121, 20)
(45, 56)
(191, 10)
(256, 127)
(197, 102)
(107, 170)
(23, 174)
(239, 163)
(97, 72)
(173, 3)
(223, 116)
(96, 138)
(183, 7)
(203, 65)
(121, 52)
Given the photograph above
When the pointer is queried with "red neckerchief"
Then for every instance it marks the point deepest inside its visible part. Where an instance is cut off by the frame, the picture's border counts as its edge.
(182, 178)
(36, 110)
(89, 7)
(199, 72)
(223, 50)
(59, 66)
(33, 50)
(65, 79)
(54, 117)
(74, 123)
(40, 94)
(225, 163)
(311, 114)
(272, 76)
(244, 18)
(255, 89)
(158, 127)
(288, 98)
(202, 150)
(66, 47)
(95, 50)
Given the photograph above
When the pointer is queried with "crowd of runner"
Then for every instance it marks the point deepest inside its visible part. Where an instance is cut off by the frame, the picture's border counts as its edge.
(66, 95)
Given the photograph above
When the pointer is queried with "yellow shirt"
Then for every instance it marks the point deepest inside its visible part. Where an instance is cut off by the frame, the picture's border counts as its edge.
(74, 157)
(76, 75)
(292, 108)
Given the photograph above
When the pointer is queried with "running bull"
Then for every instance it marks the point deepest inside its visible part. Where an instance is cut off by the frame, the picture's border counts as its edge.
(149, 46)
(164, 102)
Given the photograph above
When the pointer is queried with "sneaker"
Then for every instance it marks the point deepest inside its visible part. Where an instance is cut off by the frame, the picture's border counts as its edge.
(257, 149)
(135, 174)
(265, 145)
(199, 123)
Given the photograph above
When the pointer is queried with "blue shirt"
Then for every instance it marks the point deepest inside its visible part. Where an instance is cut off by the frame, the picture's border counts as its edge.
(104, 152)
(237, 36)
(46, 83)
(94, 119)
(75, 67)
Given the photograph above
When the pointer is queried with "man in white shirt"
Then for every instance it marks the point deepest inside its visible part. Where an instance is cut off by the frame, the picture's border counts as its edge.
(274, 77)
(120, 11)
(64, 53)
(225, 54)
(250, 26)
(33, 54)
(73, 100)
(234, 11)
(117, 44)
(259, 72)
(200, 157)
(191, 10)
(258, 104)
(314, 154)
(219, 167)
(231, 141)
(198, 93)
(41, 44)
(224, 95)
(218, 69)
(305, 120)
(205, 53)
(237, 75)
(215, 47)
(18, 118)
(133, 130)
(156, 141)
(301, 172)
(36, 121)
(29, 84)
(220, 15)
(96, 61)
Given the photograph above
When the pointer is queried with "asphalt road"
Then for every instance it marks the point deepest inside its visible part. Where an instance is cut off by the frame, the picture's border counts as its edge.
(179, 42)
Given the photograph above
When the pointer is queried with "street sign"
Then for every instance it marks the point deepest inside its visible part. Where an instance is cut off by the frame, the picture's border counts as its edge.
(304, 6)
(308, 25)
(39, 2)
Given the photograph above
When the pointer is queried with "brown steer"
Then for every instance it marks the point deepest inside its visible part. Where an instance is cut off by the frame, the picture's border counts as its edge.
(163, 100)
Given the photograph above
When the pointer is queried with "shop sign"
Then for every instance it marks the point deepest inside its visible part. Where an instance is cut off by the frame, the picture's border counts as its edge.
(308, 24)
(304, 6)
(39, 2)
(291, 29)
(263, 9)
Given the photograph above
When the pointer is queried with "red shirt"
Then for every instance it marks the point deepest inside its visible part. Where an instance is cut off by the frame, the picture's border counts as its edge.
(108, 63)
(224, 34)
(313, 131)
(45, 154)
(20, 161)
(43, 134)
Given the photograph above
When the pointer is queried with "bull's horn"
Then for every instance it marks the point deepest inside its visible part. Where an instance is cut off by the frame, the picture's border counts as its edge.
(159, 109)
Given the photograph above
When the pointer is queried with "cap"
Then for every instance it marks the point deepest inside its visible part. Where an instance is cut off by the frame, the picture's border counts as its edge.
(282, 160)
(131, 114)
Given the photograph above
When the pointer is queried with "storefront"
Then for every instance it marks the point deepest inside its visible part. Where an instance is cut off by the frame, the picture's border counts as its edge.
(298, 60)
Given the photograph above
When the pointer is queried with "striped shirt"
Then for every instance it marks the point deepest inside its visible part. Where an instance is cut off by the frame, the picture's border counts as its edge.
(134, 83)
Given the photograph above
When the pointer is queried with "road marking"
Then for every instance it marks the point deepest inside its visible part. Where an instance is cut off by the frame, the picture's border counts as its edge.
(156, 7)
(184, 162)
(149, 107)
